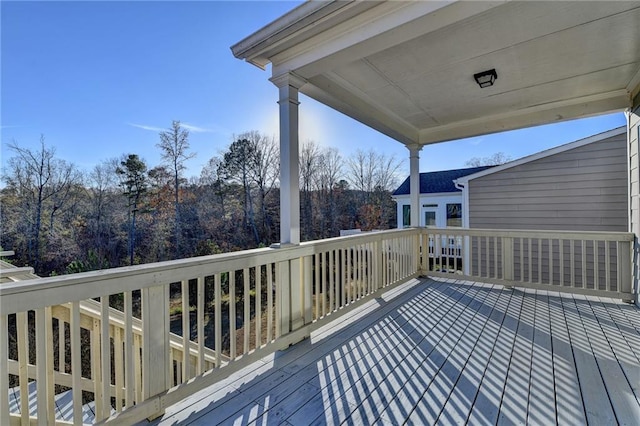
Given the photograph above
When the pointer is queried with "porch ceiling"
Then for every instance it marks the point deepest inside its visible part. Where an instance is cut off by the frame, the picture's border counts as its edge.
(406, 68)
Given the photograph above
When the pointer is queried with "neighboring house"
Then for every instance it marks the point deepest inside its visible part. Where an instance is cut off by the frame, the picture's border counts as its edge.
(579, 186)
(582, 185)
(440, 199)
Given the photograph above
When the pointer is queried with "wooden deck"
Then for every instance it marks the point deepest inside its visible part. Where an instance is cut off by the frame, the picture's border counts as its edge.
(437, 352)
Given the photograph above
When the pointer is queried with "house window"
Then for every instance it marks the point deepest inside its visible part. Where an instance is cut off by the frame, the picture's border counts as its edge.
(430, 218)
(454, 215)
(406, 215)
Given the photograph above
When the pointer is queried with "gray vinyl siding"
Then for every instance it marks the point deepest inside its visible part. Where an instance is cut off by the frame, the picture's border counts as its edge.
(585, 188)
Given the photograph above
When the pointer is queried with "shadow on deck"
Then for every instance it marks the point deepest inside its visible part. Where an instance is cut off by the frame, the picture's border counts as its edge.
(444, 351)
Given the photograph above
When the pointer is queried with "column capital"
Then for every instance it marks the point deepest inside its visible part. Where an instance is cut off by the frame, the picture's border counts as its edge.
(414, 149)
(288, 79)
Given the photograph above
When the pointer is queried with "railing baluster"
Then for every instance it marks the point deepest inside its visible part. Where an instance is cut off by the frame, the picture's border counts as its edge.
(258, 305)
(270, 312)
(186, 331)
(623, 254)
(232, 314)
(539, 260)
(62, 353)
(246, 321)
(307, 290)
(129, 380)
(325, 283)
(349, 276)
(200, 296)
(51, 405)
(343, 280)
(530, 257)
(4, 368)
(607, 265)
(561, 262)
(105, 357)
(495, 257)
(41, 367)
(596, 265)
(137, 360)
(23, 361)
(370, 267)
(584, 264)
(479, 242)
(572, 263)
(332, 286)
(119, 366)
(76, 360)
(319, 294)
(217, 314)
(550, 261)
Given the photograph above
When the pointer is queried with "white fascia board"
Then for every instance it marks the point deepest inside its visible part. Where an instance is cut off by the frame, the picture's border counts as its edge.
(544, 154)
(255, 47)
(427, 194)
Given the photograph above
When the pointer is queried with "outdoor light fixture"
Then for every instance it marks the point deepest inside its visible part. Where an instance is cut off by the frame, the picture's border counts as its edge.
(486, 78)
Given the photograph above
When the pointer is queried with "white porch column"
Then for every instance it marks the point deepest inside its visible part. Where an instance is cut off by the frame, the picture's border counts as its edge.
(288, 85)
(414, 183)
(633, 132)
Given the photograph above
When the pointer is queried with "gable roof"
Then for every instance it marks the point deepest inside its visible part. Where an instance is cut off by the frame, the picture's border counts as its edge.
(543, 154)
(437, 182)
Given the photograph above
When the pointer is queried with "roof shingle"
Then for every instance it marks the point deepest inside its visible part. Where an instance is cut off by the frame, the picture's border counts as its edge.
(437, 182)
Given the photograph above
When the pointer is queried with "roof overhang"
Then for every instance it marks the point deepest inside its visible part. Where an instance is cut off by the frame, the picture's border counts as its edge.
(406, 68)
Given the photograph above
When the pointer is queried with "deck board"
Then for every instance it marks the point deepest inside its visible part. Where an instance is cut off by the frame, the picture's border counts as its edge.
(568, 395)
(443, 352)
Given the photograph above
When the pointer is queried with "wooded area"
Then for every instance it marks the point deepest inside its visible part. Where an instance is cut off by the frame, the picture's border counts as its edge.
(60, 219)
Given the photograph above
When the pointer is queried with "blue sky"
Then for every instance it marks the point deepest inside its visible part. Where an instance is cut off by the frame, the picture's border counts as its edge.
(101, 79)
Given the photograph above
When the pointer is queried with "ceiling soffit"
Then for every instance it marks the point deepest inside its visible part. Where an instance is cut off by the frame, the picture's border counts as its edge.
(406, 68)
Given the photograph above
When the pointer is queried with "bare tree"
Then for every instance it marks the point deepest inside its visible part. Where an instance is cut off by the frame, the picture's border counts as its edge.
(373, 175)
(174, 144)
(102, 191)
(330, 173)
(492, 160)
(309, 160)
(44, 185)
(265, 173)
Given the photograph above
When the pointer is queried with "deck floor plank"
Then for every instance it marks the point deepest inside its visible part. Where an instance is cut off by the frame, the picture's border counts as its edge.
(381, 350)
(594, 393)
(486, 407)
(376, 367)
(625, 404)
(426, 360)
(513, 407)
(459, 405)
(625, 349)
(442, 352)
(455, 353)
(541, 409)
(568, 396)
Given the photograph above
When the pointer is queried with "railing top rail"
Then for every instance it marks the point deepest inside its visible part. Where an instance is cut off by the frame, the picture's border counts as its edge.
(42, 292)
(533, 233)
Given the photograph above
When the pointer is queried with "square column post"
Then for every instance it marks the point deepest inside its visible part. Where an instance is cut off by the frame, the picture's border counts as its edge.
(633, 134)
(288, 85)
(414, 183)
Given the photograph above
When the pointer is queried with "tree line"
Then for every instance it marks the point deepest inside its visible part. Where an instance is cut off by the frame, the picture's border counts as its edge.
(60, 219)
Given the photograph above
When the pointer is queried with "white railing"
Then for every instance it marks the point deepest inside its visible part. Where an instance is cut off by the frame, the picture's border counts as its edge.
(596, 263)
(118, 335)
(109, 333)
